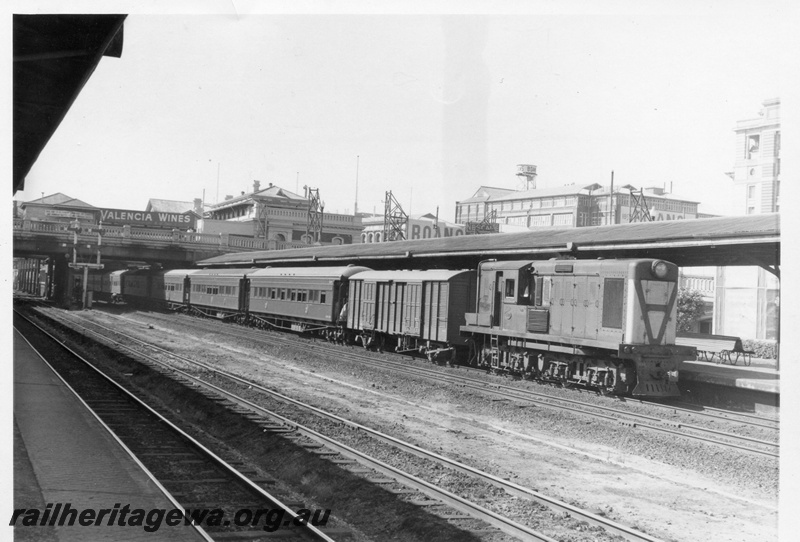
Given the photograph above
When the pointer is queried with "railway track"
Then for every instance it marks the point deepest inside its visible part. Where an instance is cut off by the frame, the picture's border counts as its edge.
(192, 476)
(657, 424)
(349, 454)
(718, 414)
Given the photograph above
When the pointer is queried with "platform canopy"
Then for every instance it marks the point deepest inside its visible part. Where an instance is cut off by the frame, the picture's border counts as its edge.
(744, 240)
(54, 56)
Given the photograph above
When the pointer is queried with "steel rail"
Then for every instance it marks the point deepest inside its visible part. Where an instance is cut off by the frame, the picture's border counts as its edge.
(197, 528)
(754, 421)
(726, 415)
(510, 487)
(312, 530)
(507, 392)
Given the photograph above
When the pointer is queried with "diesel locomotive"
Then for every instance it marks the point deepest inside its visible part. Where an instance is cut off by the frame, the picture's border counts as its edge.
(607, 324)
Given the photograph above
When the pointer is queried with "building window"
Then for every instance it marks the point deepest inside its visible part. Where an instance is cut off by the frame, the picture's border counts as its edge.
(562, 219)
(753, 144)
(751, 210)
(751, 191)
(777, 144)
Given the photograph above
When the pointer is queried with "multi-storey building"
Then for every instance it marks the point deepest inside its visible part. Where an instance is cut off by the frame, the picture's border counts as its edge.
(570, 206)
(277, 214)
(748, 298)
(757, 166)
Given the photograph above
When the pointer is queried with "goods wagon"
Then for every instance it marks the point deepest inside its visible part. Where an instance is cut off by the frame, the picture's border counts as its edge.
(411, 310)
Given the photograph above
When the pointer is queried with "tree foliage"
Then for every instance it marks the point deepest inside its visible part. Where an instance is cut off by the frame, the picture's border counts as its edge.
(690, 308)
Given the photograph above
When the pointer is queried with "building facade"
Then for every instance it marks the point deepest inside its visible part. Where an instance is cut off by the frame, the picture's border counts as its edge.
(570, 206)
(274, 213)
(757, 166)
(748, 298)
(424, 226)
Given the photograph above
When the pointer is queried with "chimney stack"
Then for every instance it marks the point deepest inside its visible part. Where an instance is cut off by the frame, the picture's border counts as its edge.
(256, 186)
(198, 206)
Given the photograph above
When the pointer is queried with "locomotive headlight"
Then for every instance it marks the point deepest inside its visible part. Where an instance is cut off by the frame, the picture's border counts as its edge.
(660, 269)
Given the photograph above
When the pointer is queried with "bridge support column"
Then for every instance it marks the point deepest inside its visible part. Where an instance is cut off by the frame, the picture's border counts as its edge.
(50, 285)
(60, 281)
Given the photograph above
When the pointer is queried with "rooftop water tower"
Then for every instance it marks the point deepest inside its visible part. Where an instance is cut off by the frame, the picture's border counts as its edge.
(527, 174)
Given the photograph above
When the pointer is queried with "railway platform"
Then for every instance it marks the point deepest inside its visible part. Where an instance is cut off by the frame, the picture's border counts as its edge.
(756, 385)
(62, 454)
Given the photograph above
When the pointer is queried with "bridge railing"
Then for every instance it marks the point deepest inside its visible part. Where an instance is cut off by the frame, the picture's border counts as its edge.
(250, 243)
(222, 241)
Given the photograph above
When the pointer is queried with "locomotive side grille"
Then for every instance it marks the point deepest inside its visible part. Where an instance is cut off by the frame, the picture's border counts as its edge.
(538, 320)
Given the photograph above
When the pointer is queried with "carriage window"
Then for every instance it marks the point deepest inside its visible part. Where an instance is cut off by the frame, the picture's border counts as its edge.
(323, 297)
(302, 295)
(613, 294)
(273, 293)
(283, 293)
(294, 295)
(509, 287)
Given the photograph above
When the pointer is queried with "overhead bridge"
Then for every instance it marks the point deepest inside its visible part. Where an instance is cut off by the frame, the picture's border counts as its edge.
(175, 248)
(726, 241)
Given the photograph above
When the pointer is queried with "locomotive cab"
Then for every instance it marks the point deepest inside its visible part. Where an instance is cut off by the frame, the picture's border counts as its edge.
(505, 289)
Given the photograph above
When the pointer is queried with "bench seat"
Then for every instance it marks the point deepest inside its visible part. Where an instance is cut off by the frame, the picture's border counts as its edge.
(716, 348)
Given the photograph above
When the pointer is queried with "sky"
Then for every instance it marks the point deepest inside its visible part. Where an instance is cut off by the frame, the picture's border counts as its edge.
(427, 104)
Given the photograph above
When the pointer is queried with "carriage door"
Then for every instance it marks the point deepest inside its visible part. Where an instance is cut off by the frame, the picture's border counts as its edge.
(368, 305)
(395, 307)
(187, 285)
(383, 302)
(244, 294)
(411, 304)
(497, 304)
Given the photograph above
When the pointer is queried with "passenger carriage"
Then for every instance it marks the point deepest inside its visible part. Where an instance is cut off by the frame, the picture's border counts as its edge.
(131, 285)
(171, 289)
(218, 293)
(301, 299)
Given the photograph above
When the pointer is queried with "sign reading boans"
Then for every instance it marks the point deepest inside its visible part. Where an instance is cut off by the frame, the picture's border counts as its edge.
(121, 217)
